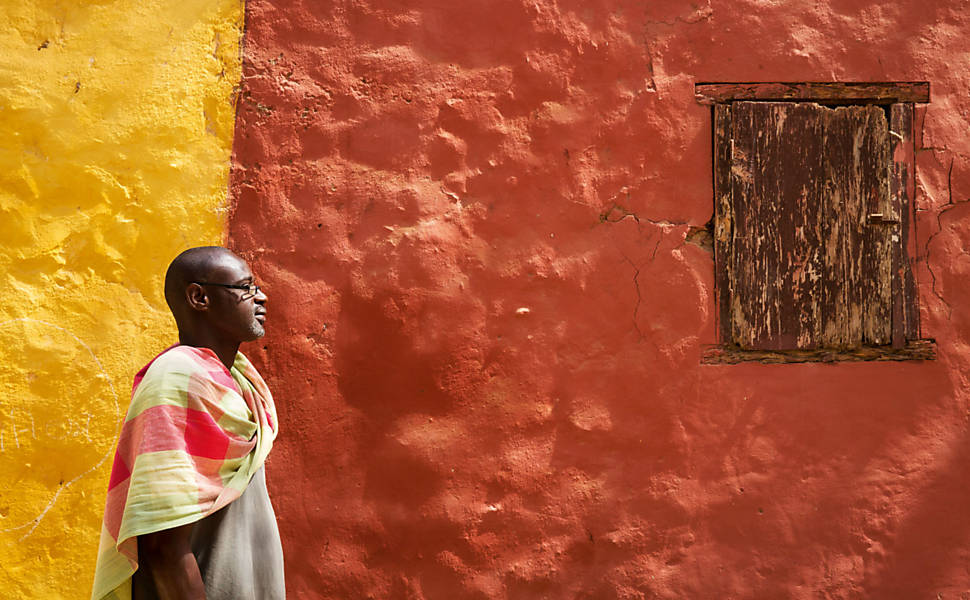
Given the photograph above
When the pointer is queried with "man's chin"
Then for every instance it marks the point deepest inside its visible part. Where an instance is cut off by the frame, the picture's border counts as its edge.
(256, 331)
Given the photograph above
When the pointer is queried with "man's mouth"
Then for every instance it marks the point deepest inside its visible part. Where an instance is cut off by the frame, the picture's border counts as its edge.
(261, 316)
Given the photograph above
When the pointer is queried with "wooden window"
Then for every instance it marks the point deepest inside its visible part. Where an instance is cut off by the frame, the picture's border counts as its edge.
(813, 227)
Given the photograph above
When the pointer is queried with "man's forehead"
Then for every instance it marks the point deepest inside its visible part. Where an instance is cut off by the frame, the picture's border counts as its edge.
(230, 266)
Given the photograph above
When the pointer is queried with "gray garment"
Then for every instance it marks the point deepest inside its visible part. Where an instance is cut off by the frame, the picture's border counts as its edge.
(238, 550)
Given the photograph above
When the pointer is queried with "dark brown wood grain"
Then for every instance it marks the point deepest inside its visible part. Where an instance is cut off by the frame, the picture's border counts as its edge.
(775, 178)
(857, 168)
(729, 355)
(841, 92)
(809, 259)
(723, 217)
(902, 187)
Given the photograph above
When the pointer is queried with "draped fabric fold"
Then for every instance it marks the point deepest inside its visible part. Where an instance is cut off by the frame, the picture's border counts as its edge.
(194, 435)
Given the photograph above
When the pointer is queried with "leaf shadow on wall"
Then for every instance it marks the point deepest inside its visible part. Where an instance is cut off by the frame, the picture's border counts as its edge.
(385, 374)
(808, 487)
(931, 541)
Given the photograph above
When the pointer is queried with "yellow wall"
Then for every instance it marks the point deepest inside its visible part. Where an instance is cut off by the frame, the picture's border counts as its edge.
(116, 123)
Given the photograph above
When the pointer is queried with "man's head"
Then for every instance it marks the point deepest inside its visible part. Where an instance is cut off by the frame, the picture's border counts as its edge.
(207, 290)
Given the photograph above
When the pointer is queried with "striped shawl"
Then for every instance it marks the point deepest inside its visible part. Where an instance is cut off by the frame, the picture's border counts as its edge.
(194, 435)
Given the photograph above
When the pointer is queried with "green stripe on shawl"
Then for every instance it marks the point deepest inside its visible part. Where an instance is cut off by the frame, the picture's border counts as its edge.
(165, 383)
(237, 419)
(166, 499)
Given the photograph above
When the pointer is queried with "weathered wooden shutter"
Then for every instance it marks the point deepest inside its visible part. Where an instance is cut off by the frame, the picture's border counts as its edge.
(808, 235)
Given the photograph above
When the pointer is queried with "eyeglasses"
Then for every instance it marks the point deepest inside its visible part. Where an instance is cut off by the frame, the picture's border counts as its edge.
(251, 288)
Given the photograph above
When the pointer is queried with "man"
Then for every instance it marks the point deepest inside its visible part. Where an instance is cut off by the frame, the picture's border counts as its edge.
(187, 514)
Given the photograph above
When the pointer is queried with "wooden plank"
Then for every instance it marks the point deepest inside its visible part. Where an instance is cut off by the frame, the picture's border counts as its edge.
(746, 326)
(878, 221)
(730, 355)
(858, 252)
(902, 187)
(836, 324)
(777, 182)
(742, 327)
(723, 218)
(875, 92)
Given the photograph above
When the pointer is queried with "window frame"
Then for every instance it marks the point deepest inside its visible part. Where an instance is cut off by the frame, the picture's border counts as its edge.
(898, 99)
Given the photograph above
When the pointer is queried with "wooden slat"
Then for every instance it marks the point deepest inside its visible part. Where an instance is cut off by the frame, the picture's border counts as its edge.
(728, 355)
(723, 218)
(836, 325)
(746, 328)
(902, 184)
(777, 189)
(856, 143)
(877, 245)
(876, 92)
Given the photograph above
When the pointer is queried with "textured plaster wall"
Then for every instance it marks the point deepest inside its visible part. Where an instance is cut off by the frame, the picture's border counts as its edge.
(486, 319)
(116, 122)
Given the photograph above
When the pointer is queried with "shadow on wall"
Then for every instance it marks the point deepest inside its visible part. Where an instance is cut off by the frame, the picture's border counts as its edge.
(814, 487)
(929, 545)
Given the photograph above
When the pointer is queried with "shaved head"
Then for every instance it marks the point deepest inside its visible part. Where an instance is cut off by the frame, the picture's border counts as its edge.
(215, 300)
(195, 264)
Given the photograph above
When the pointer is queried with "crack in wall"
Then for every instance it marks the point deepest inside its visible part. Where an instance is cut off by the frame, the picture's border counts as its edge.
(616, 213)
(608, 215)
(636, 307)
(636, 285)
(651, 82)
(950, 204)
(705, 13)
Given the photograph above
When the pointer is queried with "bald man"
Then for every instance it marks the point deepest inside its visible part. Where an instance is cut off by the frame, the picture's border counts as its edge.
(187, 514)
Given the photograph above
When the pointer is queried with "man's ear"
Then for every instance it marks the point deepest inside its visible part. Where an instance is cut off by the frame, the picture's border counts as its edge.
(196, 298)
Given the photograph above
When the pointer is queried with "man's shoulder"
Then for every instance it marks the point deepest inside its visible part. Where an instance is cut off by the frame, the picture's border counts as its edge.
(167, 379)
(177, 359)
(187, 359)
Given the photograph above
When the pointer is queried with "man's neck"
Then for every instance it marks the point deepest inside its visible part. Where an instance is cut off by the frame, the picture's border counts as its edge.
(226, 351)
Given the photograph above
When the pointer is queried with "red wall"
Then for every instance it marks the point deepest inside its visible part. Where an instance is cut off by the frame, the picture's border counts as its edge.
(486, 322)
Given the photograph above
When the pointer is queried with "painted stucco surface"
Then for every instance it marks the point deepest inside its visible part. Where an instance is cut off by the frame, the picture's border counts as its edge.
(116, 120)
(486, 320)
